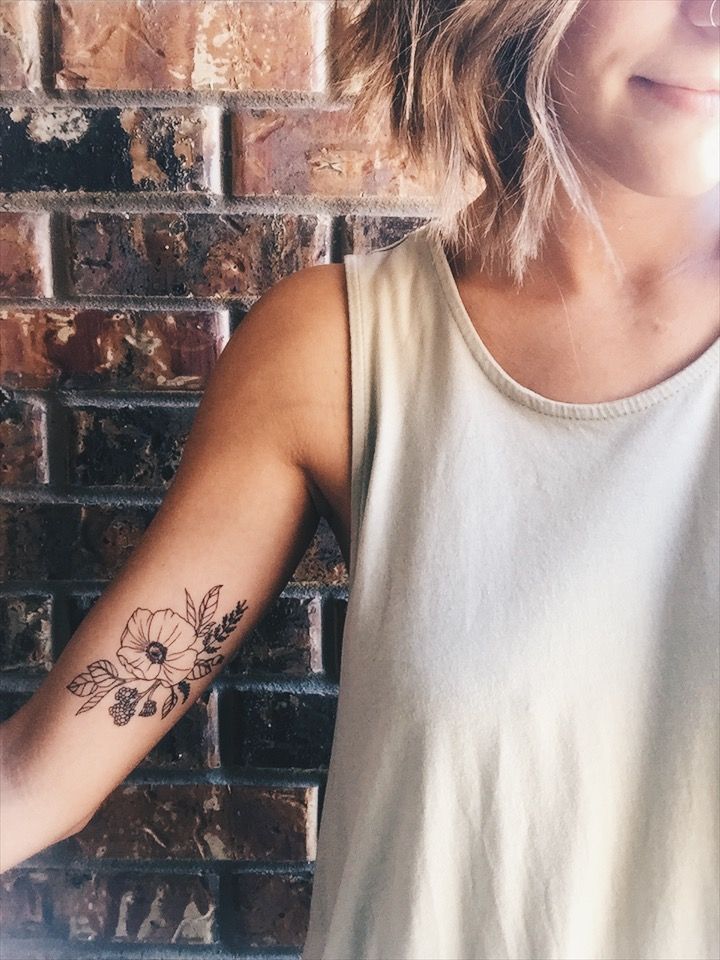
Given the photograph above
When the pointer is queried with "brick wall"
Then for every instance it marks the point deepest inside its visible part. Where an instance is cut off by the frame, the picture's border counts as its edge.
(164, 162)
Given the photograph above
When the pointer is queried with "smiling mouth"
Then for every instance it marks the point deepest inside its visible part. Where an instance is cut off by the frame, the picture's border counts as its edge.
(688, 99)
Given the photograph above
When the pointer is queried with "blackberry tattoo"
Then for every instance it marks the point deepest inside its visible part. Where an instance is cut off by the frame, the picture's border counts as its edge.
(163, 649)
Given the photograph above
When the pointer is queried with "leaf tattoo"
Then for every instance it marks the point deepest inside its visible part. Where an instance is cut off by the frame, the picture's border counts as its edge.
(161, 648)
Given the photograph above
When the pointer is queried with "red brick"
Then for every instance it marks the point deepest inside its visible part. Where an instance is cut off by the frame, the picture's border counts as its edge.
(175, 45)
(19, 45)
(25, 255)
(201, 822)
(78, 905)
(95, 348)
(25, 633)
(268, 910)
(318, 152)
(203, 255)
(23, 440)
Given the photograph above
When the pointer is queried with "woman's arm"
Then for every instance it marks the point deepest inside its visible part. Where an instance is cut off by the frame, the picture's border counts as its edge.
(232, 528)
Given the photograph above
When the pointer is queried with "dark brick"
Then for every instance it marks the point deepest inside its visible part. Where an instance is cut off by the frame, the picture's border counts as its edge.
(98, 349)
(320, 152)
(66, 541)
(267, 729)
(136, 148)
(322, 562)
(287, 640)
(175, 45)
(201, 821)
(192, 743)
(23, 440)
(201, 255)
(19, 45)
(140, 446)
(25, 255)
(333, 627)
(25, 632)
(11, 701)
(267, 910)
(358, 233)
(79, 905)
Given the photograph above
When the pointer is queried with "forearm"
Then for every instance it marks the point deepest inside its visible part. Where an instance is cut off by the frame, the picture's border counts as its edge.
(29, 819)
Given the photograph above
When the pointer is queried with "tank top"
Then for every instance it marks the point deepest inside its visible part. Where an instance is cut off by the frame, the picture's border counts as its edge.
(525, 762)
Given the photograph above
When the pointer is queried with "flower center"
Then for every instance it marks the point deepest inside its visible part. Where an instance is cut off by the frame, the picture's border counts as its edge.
(156, 652)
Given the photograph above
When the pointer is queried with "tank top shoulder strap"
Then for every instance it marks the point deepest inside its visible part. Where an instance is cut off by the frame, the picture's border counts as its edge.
(390, 300)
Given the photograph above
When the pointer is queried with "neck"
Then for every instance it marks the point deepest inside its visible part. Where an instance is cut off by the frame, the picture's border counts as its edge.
(656, 240)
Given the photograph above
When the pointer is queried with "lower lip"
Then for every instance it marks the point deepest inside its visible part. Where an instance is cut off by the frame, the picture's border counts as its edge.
(702, 102)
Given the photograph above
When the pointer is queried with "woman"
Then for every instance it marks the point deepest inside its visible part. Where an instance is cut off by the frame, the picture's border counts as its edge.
(517, 446)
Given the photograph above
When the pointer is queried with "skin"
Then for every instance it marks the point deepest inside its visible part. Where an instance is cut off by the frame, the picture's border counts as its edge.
(575, 331)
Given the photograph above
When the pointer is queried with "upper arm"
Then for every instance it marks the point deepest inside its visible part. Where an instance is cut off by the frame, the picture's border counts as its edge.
(230, 531)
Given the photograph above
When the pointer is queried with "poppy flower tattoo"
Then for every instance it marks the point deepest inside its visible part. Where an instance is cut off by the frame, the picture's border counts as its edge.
(162, 649)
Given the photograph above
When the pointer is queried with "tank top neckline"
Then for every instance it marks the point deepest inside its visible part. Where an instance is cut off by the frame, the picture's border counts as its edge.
(599, 410)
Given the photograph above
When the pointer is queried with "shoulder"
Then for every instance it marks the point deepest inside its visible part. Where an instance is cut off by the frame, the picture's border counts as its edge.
(296, 338)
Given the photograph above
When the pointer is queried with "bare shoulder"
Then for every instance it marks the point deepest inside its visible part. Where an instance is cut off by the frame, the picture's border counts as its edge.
(298, 334)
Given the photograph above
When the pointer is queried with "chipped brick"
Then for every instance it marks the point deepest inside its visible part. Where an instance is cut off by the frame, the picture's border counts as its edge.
(121, 349)
(319, 152)
(25, 255)
(201, 821)
(141, 447)
(174, 45)
(25, 633)
(19, 45)
(23, 440)
(203, 255)
(138, 148)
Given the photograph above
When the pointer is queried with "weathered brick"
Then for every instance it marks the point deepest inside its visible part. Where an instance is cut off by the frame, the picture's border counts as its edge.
(320, 152)
(359, 234)
(287, 640)
(19, 45)
(25, 255)
(67, 541)
(322, 562)
(267, 910)
(204, 255)
(81, 905)
(174, 45)
(121, 349)
(140, 447)
(201, 821)
(136, 148)
(23, 439)
(25, 632)
(268, 729)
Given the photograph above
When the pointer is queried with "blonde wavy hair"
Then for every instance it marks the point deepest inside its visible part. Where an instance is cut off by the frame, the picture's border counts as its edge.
(467, 87)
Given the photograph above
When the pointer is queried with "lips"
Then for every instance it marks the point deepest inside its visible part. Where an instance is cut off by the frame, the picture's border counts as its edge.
(690, 100)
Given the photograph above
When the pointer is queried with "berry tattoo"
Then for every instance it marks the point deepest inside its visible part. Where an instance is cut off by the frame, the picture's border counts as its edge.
(162, 649)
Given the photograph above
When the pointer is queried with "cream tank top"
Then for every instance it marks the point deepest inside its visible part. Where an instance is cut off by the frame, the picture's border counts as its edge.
(526, 753)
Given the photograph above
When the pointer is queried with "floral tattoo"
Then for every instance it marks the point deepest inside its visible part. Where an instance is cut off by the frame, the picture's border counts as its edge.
(163, 649)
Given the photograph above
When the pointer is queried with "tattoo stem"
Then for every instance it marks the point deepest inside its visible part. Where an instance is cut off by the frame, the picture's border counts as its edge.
(156, 683)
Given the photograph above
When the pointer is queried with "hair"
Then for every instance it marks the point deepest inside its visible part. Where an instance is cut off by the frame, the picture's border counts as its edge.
(466, 85)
